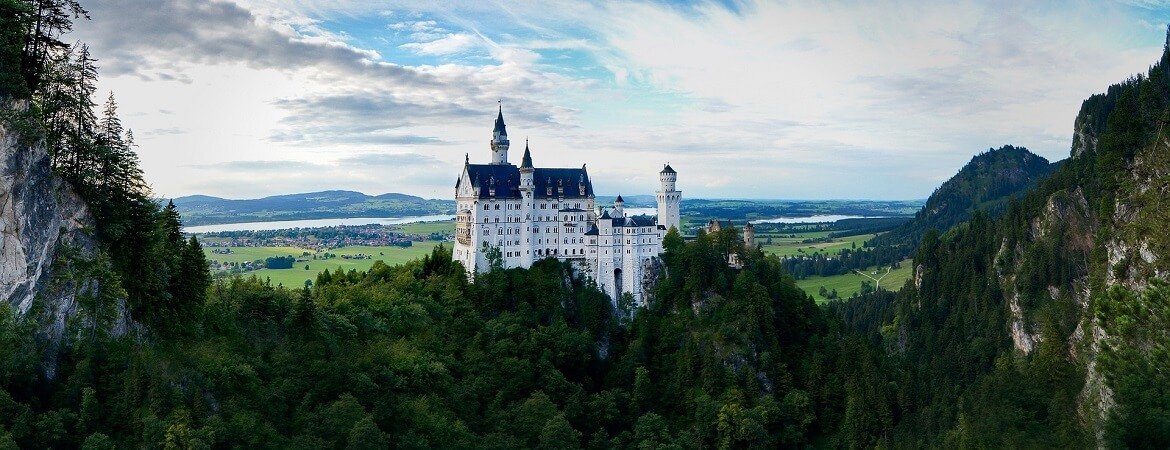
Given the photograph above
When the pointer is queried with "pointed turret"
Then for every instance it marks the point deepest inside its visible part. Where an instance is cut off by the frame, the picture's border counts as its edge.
(619, 207)
(526, 162)
(526, 172)
(500, 139)
(500, 128)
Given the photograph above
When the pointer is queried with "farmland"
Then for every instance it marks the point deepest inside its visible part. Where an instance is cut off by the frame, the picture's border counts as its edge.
(296, 276)
(849, 284)
(794, 244)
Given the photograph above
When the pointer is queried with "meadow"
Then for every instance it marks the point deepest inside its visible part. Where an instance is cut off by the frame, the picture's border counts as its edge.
(782, 245)
(296, 276)
(849, 284)
(446, 227)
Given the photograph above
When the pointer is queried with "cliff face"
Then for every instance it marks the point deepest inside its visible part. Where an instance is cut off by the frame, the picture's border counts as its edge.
(46, 246)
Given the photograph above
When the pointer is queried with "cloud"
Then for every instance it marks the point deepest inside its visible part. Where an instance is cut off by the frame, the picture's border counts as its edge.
(165, 33)
(446, 45)
(763, 99)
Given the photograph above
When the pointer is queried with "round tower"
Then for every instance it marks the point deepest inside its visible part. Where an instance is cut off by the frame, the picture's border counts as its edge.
(619, 206)
(669, 199)
(749, 235)
(500, 140)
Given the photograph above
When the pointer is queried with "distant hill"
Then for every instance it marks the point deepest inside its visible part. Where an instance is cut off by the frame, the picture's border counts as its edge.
(206, 210)
(988, 182)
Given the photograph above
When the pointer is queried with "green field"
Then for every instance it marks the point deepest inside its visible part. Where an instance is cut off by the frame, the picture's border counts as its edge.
(296, 276)
(446, 226)
(789, 246)
(849, 284)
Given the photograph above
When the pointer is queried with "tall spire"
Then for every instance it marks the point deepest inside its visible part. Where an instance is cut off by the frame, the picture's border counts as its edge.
(500, 120)
(526, 162)
(500, 139)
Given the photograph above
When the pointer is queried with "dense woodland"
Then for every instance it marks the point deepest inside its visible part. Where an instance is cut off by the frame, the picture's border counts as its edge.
(415, 356)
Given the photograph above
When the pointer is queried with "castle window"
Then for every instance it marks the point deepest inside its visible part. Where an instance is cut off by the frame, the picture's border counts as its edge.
(485, 207)
(497, 206)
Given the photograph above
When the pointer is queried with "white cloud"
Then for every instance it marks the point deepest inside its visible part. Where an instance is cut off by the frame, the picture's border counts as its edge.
(450, 44)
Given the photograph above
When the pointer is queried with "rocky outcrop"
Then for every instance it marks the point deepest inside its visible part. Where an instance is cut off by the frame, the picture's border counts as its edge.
(46, 243)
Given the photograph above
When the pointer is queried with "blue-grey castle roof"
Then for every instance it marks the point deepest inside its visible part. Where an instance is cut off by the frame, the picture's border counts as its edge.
(506, 178)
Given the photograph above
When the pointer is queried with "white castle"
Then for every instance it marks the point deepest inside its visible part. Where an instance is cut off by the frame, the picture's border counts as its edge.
(528, 213)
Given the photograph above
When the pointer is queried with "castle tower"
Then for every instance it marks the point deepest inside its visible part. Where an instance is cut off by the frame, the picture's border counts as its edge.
(749, 236)
(500, 140)
(619, 207)
(668, 199)
(527, 187)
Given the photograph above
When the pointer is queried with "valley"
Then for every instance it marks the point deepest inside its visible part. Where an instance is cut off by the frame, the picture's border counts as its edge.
(247, 255)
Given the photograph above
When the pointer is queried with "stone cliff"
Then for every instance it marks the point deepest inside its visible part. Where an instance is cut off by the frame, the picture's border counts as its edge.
(46, 242)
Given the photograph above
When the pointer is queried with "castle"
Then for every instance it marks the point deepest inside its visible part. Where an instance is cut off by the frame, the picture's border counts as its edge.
(518, 215)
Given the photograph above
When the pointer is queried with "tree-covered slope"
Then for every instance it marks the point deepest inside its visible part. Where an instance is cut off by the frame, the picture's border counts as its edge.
(986, 183)
(415, 356)
(1045, 326)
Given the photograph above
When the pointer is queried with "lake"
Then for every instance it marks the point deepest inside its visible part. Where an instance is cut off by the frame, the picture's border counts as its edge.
(315, 223)
(319, 223)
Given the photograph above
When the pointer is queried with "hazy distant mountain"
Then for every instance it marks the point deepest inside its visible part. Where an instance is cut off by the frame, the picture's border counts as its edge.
(208, 210)
(204, 210)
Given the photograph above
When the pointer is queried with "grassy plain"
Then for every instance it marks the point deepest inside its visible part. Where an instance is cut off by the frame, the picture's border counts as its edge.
(791, 246)
(296, 276)
(846, 285)
(446, 226)
(849, 284)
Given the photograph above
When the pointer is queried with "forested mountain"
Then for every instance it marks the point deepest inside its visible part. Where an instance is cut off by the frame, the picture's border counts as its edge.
(1046, 326)
(203, 209)
(987, 183)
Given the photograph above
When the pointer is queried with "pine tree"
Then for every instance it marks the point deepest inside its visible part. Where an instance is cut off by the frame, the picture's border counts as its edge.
(49, 20)
(15, 16)
(194, 275)
(172, 226)
(80, 121)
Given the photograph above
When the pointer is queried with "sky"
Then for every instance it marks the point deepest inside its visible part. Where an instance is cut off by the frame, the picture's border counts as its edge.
(751, 99)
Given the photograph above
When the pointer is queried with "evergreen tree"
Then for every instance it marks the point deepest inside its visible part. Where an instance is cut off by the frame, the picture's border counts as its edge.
(15, 15)
(193, 276)
(49, 20)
